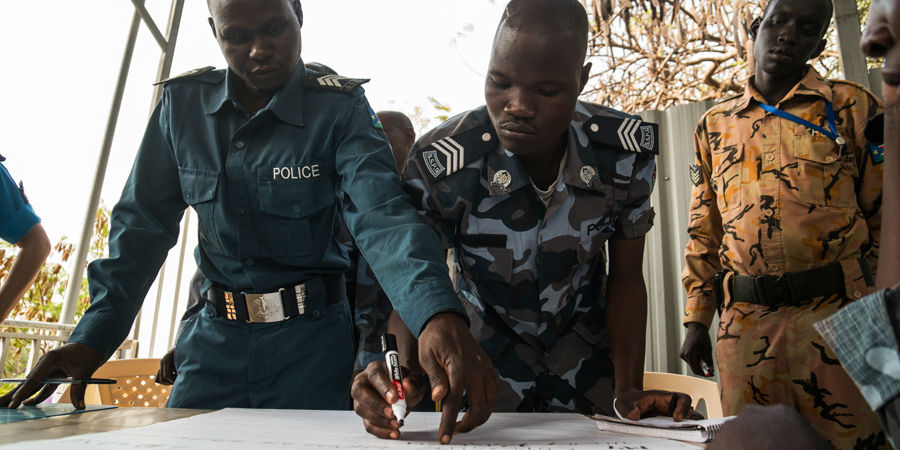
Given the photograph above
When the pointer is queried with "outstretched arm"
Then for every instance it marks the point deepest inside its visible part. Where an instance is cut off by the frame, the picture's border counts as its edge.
(35, 248)
(626, 318)
(889, 254)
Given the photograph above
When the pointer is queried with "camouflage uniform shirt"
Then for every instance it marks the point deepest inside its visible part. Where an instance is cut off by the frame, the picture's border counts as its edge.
(529, 274)
(770, 196)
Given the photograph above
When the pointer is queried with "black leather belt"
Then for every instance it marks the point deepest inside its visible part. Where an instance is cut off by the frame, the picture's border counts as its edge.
(279, 305)
(793, 288)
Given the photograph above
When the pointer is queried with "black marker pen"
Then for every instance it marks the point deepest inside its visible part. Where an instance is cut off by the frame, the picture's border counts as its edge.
(392, 358)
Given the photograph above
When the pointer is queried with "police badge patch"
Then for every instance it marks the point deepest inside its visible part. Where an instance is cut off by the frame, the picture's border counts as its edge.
(696, 177)
(501, 180)
(648, 139)
(433, 163)
(587, 175)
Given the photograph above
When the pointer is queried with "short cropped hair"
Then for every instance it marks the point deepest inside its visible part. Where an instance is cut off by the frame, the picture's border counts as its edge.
(826, 4)
(295, 5)
(548, 17)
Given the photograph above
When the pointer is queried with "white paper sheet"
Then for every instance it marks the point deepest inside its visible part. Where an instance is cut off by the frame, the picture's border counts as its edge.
(264, 429)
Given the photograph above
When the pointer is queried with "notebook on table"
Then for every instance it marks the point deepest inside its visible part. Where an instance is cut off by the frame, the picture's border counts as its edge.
(664, 427)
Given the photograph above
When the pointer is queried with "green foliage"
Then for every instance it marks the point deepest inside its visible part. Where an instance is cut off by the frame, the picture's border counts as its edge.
(43, 301)
(424, 119)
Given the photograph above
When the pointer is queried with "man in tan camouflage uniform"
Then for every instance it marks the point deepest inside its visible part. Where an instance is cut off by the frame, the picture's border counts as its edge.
(784, 226)
(528, 191)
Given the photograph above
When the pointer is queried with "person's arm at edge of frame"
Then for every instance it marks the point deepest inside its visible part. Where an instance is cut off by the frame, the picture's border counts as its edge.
(888, 273)
(35, 247)
(869, 196)
(701, 261)
(448, 353)
(626, 319)
(142, 230)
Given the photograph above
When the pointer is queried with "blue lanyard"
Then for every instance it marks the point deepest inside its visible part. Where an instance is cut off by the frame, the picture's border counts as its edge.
(830, 134)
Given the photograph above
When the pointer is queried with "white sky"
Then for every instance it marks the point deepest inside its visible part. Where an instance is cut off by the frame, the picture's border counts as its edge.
(62, 60)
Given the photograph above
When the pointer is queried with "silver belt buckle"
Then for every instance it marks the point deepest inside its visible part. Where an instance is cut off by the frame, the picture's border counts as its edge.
(264, 307)
(300, 291)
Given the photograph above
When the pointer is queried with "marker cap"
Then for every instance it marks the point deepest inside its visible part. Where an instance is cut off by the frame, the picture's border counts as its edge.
(388, 343)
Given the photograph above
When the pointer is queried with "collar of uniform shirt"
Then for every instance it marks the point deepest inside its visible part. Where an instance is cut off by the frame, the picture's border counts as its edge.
(288, 112)
(811, 84)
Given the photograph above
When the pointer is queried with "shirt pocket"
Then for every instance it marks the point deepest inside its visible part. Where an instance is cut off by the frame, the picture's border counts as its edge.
(727, 175)
(486, 256)
(296, 216)
(198, 189)
(594, 234)
(824, 173)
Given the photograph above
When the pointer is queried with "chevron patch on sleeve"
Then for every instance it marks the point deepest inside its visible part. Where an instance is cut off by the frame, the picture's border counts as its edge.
(696, 176)
(631, 135)
(334, 82)
(449, 155)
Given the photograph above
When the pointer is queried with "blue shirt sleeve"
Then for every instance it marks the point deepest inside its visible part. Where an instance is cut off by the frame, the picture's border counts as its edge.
(404, 253)
(16, 215)
(143, 227)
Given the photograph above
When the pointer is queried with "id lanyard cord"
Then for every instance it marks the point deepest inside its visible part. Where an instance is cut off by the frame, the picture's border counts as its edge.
(830, 134)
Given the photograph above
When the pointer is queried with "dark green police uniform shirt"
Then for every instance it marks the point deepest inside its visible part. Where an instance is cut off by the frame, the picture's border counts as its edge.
(268, 189)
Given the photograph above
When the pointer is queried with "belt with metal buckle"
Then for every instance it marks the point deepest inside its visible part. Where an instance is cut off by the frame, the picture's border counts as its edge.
(276, 306)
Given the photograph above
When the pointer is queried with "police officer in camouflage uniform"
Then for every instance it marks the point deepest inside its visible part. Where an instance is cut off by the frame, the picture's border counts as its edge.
(269, 155)
(784, 229)
(528, 191)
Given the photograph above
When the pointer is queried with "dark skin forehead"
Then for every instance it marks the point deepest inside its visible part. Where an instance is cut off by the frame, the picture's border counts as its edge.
(563, 45)
(819, 11)
(215, 8)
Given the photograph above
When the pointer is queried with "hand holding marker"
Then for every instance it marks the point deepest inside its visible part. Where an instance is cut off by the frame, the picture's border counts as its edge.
(392, 358)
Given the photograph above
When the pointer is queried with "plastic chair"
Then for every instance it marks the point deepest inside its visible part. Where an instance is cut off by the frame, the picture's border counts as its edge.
(136, 385)
(698, 388)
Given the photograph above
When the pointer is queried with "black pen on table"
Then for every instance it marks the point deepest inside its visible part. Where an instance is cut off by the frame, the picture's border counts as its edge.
(392, 358)
(63, 380)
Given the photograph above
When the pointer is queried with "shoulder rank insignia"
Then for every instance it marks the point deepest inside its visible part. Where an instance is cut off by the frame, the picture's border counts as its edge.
(448, 155)
(631, 135)
(696, 176)
(187, 74)
(334, 82)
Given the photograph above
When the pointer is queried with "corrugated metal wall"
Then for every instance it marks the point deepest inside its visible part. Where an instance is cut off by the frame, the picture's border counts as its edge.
(665, 244)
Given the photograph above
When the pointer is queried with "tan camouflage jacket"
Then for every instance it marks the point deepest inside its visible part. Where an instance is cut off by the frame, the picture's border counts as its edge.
(771, 196)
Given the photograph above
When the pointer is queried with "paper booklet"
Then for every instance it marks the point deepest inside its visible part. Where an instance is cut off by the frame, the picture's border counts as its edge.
(664, 427)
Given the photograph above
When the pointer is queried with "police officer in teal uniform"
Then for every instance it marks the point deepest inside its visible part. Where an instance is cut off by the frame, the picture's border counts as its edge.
(268, 155)
(20, 226)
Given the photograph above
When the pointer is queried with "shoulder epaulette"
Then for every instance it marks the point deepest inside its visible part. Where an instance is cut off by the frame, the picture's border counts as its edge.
(446, 156)
(334, 82)
(834, 81)
(728, 98)
(188, 74)
(874, 130)
(624, 133)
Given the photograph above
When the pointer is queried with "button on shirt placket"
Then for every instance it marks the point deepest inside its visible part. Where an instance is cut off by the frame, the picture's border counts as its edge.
(774, 145)
(238, 180)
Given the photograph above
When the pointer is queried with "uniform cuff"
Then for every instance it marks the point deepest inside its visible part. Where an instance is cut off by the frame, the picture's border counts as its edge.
(97, 334)
(416, 314)
(637, 229)
(699, 310)
(17, 225)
